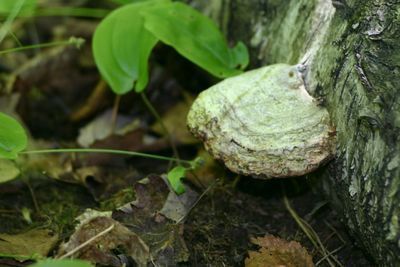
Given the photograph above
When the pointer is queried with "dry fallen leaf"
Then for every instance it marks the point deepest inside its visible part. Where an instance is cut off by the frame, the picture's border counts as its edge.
(104, 249)
(277, 252)
(143, 216)
(102, 127)
(33, 244)
(175, 122)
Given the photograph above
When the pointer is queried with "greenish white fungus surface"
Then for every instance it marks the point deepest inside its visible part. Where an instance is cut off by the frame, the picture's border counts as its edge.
(263, 123)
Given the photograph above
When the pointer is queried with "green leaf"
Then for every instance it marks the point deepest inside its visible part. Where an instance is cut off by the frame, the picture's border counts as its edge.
(8, 170)
(174, 177)
(122, 46)
(62, 263)
(196, 37)
(125, 2)
(25, 7)
(13, 138)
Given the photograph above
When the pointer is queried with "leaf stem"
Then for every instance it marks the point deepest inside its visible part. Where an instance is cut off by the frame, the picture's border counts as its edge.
(114, 114)
(108, 151)
(160, 121)
(71, 41)
(70, 11)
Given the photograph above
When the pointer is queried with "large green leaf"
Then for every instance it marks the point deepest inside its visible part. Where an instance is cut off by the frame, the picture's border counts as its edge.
(196, 37)
(122, 46)
(13, 138)
(124, 2)
(25, 7)
(62, 263)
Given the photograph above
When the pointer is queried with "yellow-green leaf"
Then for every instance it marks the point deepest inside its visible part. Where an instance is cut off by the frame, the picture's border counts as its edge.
(13, 138)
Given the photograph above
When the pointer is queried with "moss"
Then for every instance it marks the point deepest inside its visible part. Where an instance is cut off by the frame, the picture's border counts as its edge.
(59, 203)
(118, 199)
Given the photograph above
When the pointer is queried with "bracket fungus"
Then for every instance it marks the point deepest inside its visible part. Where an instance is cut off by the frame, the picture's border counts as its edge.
(263, 123)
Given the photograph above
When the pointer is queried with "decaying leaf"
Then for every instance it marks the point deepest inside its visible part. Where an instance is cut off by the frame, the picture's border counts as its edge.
(174, 121)
(102, 127)
(33, 244)
(143, 216)
(277, 252)
(176, 207)
(141, 231)
(103, 250)
(263, 123)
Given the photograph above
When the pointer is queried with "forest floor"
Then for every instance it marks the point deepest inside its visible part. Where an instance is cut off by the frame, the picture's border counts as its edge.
(59, 96)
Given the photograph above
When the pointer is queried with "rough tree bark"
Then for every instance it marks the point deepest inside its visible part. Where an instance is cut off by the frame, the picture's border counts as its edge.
(352, 49)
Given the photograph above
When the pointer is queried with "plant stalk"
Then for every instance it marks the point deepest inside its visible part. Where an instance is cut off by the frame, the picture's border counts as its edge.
(108, 151)
(154, 112)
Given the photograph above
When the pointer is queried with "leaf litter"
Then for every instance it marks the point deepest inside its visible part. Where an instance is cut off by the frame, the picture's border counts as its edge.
(216, 229)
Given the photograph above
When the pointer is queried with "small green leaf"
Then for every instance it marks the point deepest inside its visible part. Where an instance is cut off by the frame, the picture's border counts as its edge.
(122, 46)
(240, 56)
(195, 37)
(13, 138)
(26, 7)
(174, 177)
(62, 263)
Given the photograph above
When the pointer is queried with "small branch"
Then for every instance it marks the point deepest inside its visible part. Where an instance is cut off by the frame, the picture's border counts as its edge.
(87, 242)
(197, 201)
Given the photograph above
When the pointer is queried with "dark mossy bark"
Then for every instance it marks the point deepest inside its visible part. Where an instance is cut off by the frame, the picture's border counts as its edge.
(353, 57)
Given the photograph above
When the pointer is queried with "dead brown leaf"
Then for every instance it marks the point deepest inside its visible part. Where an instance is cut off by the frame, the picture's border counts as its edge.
(103, 250)
(175, 122)
(277, 252)
(143, 216)
(33, 244)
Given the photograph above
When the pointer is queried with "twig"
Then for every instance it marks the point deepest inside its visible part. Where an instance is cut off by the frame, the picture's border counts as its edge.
(197, 201)
(87, 242)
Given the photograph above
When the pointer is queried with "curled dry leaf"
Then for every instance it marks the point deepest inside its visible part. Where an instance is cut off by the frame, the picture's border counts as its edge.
(263, 123)
(276, 252)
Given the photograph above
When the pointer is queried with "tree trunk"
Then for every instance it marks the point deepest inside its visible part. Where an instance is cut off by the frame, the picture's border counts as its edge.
(352, 52)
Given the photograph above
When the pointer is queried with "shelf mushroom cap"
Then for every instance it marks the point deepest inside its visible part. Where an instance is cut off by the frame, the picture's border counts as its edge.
(263, 123)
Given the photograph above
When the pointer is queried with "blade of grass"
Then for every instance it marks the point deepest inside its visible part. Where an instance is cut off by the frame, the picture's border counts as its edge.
(310, 233)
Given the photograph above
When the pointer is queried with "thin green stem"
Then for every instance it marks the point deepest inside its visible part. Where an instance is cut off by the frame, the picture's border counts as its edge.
(33, 196)
(70, 11)
(108, 151)
(15, 38)
(5, 28)
(114, 114)
(71, 41)
(154, 112)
